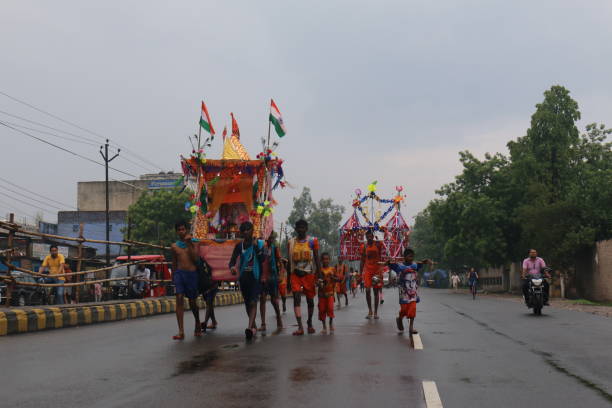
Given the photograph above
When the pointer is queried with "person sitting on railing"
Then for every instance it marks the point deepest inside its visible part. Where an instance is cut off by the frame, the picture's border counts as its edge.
(141, 277)
(54, 264)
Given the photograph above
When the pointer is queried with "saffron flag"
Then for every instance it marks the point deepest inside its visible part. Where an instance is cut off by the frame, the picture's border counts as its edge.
(277, 119)
(205, 122)
(235, 130)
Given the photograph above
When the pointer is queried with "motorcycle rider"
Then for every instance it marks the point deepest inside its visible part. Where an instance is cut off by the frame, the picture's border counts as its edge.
(534, 265)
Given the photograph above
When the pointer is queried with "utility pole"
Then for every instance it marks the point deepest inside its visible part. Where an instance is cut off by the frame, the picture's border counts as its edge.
(104, 154)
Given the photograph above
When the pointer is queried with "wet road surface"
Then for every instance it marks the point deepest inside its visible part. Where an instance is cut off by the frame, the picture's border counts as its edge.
(482, 353)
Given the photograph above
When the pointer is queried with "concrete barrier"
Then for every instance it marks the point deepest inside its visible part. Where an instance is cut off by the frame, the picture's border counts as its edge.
(30, 319)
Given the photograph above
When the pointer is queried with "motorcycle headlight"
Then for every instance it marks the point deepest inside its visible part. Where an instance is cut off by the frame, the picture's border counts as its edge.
(536, 282)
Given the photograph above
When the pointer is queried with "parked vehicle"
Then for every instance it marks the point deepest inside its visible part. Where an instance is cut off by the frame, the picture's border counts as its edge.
(23, 295)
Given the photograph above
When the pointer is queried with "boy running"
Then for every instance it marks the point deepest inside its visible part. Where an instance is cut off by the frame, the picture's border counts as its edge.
(304, 265)
(341, 283)
(209, 289)
(269, 281)
(370, 270)
(408, 285)
(185, 277)
(282, 284)
(353, 282)
(326, 293)
(251, 255)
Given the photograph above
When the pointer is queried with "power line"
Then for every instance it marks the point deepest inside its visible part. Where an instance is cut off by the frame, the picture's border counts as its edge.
(48, 127)
(52, 134)
(64, 149)
(77, 126)
(35, 193)
(26, 203)
(33, 199)
(14, 210)
(92, 142)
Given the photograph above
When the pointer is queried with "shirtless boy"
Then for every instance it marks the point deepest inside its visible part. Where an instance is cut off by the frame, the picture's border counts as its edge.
(185, 277)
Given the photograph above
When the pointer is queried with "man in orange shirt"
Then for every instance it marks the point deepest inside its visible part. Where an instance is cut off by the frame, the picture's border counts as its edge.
(304, 266)
(371, 271)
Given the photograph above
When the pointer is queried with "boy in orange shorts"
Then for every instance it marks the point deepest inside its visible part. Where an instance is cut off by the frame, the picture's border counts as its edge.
(304, 266)
(408, 284)
(282, 284)
(341, 283)
(371, 272)
(327, 282)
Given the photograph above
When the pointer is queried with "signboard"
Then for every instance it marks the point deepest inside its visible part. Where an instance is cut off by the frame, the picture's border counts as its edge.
(41, 250)
(162, 184)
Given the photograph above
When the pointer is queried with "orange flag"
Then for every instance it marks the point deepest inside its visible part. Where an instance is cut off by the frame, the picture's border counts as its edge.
(235, 130)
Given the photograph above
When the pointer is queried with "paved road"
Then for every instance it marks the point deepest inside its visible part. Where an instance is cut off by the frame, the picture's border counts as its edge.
(484, 353)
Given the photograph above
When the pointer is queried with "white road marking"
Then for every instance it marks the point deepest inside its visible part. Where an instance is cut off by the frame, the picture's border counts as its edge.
(418, 344)
(432, 398)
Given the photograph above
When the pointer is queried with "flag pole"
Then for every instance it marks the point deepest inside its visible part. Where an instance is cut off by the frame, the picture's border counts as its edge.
(199, 133)
(269, 124)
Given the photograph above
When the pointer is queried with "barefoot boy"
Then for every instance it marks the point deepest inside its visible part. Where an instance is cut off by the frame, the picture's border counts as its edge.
(185, 277)
(270, 281)
(341, 279)
(371, 272)
(250, 252)
(304, 265)
(327, 282)
(408, 285)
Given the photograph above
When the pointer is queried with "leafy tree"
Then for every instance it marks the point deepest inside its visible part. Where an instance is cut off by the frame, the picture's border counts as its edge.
(323, 219)
(551, 193)
(424, 240)
(154, 214)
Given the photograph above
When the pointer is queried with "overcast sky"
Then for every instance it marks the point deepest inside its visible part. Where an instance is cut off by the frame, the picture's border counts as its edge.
(379, 90)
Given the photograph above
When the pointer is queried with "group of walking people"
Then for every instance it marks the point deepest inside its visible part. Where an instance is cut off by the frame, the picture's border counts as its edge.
(262, 273)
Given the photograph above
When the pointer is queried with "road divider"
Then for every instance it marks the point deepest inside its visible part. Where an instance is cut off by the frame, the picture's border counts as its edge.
(432, 398)
(418, 344)
(31, 319)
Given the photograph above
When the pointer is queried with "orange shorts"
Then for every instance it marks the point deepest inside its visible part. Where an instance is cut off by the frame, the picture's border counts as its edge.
(367, 279)
(282, 289)
(304, 284)
(408, 310)
(326, 307)
(341, 288)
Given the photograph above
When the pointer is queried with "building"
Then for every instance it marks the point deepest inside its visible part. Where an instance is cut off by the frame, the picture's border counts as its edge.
(91, 207)
(91, 195)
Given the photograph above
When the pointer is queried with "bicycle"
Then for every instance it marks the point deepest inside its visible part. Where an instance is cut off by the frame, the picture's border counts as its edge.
(473, 289)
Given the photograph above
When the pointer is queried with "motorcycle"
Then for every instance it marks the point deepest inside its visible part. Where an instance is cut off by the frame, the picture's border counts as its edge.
(535, 293)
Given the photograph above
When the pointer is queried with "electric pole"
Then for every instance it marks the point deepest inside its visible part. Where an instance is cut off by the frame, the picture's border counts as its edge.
(104, 154)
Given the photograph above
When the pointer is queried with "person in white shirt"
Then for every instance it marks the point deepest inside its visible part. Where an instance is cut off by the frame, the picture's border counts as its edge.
(455, 282)
(141, 277)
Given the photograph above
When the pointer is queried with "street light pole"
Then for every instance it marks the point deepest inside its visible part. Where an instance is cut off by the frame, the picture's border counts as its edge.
(107, 160)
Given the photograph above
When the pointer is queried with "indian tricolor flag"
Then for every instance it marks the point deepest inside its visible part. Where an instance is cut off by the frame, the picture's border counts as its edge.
(277, 119)
(205, 122)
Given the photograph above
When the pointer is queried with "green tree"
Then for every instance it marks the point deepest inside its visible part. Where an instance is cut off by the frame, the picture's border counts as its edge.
(469, 219)
(323, 219)
(551, 193)
(423, 238)
(154, 214)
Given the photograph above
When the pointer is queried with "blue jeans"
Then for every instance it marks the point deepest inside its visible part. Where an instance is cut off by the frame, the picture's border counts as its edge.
(139, 287)
(59, 291)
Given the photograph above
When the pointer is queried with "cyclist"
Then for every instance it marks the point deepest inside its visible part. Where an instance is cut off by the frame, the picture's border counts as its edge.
(473, 280)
